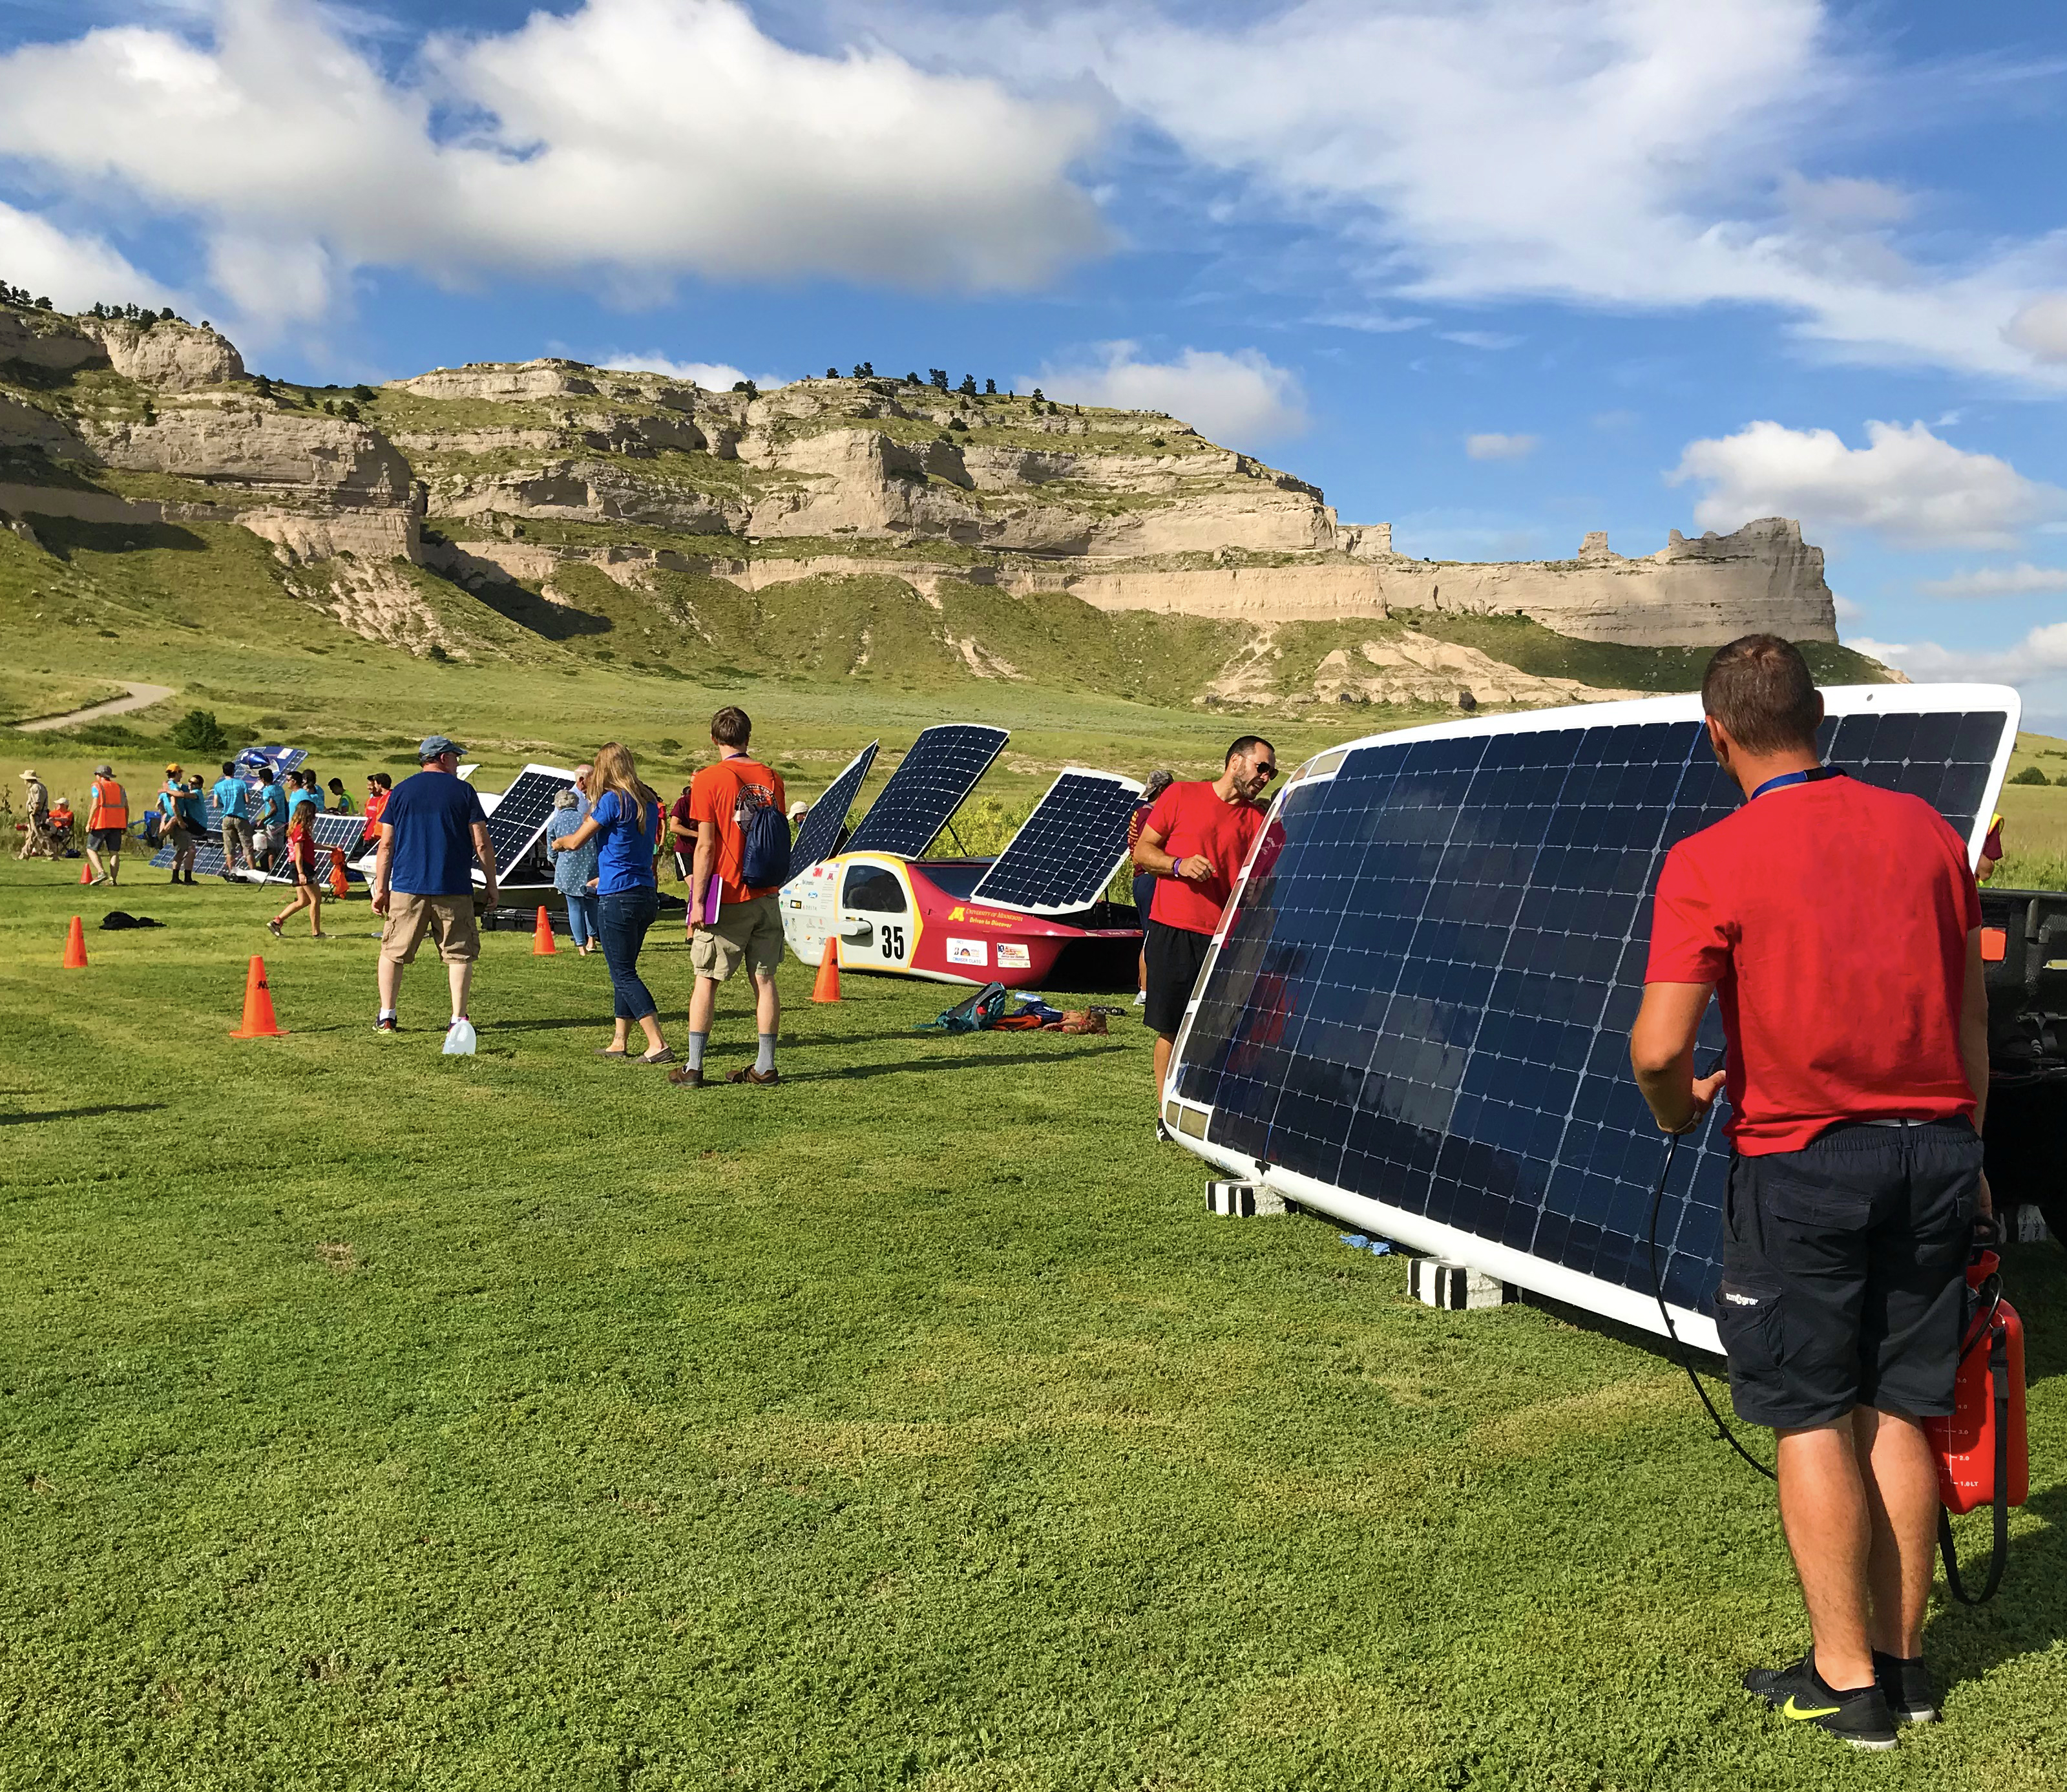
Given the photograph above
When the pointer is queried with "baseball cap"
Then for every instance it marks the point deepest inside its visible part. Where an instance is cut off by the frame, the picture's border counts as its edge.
(437, 746)
(175, 766)
(104, 771)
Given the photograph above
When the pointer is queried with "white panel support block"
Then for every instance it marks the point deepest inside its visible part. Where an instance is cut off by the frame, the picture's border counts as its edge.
(1243, 1200)
(2030, 1227)
(1453, 1287)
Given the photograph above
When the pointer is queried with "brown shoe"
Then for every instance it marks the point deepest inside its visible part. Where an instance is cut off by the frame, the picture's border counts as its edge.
(682, 1077)
(750, 1075)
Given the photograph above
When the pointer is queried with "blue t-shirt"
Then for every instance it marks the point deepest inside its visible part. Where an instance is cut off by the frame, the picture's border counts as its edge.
(233, 796)
(624, 860)
(193, 810)
(433, 815)
(272, 807)
(298, 796)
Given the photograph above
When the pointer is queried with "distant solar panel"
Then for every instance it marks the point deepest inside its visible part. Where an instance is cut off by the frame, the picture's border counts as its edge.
(1417, 1018)
(208, 860)
(345, 832)
(1066, 852)
(943, 767)
(520, 816)
(818, 837)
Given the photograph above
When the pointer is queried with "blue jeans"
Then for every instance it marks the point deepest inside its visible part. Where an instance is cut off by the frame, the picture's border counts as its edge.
(581, 916)
(623, 917)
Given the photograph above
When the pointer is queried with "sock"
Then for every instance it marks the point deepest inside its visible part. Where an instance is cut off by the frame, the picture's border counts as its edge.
(391, 1014)
(697, 1041)
(765, 1060)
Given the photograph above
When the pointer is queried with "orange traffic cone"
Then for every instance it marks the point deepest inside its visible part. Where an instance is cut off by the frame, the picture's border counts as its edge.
(826, 989)
(542, 936)
(86, 871)
(258, 1021)
(75, 947)
(339, 883)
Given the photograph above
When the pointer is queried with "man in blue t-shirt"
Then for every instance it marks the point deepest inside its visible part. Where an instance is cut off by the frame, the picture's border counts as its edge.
(431, 832)
(232, 797)
(271, 833)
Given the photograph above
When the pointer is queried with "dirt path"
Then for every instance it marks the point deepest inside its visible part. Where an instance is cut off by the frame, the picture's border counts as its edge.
(140, 697)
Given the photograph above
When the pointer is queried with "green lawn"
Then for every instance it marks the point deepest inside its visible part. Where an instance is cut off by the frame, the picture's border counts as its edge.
(376, 1419)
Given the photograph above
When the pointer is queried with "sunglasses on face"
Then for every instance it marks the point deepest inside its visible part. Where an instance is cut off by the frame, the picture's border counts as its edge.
(1266, 773)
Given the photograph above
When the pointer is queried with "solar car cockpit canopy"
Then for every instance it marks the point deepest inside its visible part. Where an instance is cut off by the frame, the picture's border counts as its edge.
(1416, 1016)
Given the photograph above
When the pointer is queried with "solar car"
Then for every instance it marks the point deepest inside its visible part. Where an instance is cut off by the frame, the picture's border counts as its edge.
(1035, 915)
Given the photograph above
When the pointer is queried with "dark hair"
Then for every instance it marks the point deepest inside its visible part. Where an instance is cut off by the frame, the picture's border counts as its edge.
(732, 726)
(264, 774)
(1760, 689)
(1249, 743)
(229, 768)
(337, 783)
(382, 779)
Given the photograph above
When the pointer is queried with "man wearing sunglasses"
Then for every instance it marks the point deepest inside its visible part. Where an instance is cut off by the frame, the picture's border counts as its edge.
(1195, 840)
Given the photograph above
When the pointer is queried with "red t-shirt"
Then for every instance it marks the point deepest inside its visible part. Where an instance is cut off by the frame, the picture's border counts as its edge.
(714, 797)
(680, 813)
(1190, 819)
(1832, 919)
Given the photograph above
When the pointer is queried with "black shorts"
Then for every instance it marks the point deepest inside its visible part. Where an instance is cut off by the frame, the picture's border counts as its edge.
(1843, 1267)
(1175, 955)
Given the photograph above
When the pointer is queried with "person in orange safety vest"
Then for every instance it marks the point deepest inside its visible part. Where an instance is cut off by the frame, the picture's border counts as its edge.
(107, 821)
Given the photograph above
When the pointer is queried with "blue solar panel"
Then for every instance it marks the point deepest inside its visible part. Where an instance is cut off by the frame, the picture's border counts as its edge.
(1066, 852)
(1418, 1015)
(818, 837)
(943, 767)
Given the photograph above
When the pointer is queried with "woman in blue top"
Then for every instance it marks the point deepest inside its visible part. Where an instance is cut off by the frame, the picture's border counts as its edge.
(625, 823)
(573, 872)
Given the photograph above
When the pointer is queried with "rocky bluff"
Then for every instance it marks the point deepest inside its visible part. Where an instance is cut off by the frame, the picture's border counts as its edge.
(513, 472)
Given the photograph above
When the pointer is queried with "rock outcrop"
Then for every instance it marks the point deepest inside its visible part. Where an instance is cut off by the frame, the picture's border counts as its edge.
(508, 471)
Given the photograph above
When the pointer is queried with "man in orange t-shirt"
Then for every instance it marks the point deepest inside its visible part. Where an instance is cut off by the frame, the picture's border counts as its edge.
(748, 926)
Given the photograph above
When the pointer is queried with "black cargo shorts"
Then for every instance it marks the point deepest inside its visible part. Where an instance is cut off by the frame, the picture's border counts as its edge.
(1842, 1267)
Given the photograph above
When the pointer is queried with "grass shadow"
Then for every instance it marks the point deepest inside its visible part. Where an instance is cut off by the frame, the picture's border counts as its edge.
(82, 1113)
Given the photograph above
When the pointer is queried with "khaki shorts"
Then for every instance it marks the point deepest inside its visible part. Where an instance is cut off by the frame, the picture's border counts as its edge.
(448, 919)
(748, 931)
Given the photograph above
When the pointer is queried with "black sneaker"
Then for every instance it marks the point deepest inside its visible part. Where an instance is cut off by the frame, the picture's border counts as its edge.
(1860, 1717)
(386, 1024)
(1906, 1685)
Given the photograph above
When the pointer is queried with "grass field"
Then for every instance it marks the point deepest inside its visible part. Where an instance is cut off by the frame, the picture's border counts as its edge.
(375, 1420)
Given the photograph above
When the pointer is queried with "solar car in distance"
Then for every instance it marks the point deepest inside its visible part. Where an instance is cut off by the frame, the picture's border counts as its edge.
(1034, 916)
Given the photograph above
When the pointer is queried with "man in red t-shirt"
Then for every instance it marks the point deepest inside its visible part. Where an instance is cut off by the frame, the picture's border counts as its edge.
(1195, 840)
(1837, 927)
(682, 834)
(748, 928)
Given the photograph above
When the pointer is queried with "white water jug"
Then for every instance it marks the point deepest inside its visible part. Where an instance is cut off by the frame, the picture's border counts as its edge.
(460, 1039)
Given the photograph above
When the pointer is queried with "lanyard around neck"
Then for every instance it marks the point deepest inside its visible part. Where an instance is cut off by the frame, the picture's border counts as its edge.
(1787, 778)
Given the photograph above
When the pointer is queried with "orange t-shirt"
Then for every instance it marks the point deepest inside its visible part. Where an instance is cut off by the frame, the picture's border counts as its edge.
(717, 799)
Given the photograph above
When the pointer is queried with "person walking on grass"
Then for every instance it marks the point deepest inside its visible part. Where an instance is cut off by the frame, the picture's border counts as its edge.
(1194, 841)
(232, 797)
(1857, 1064)
(302, 862)
(575, 873)
(36, 840)
(107, 822)
(432, 830)
(624, 823)
(271, 833)
(724, 801)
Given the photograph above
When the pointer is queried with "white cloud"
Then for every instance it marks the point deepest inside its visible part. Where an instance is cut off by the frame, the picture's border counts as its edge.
(1846, 609)
(632, 140)
(2040, 328)
(2039, 656)
(1605, 152)
(1906, 485)
(1493, 446)
(2023, 579)
(1237, 399)
(1376, 323)
(1481, 339)
(72, 272)
(711, 376)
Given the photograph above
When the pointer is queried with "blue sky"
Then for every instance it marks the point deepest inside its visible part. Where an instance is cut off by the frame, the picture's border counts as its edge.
(1497, 271)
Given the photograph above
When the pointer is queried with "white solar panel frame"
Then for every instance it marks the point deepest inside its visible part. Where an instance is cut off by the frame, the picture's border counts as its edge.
(976, 895)
(857, 841)
(1417, 1231)
(537, 834)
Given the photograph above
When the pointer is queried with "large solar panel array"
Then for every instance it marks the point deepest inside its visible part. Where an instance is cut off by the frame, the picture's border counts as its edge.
(818, 837)
(520, 816)
(943, 767)
(1417, 1019)
(336, 829)
(208, 860)
(1066, 852)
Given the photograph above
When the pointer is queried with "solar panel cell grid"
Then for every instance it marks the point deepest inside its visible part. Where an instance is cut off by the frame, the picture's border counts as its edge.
(942, 768)
(818, 837)
(337, 830)
(1424, 996)
(522, 814)
(1066, 852)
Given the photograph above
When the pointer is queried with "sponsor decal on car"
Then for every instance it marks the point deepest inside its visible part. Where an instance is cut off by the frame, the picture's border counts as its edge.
(971, 951)
(983, 917)
(1012, 955)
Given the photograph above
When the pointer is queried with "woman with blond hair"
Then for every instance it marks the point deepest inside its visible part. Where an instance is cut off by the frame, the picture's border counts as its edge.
(624, 821)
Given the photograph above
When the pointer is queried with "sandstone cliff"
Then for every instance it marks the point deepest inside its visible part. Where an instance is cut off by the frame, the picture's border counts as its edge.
(505, 476)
